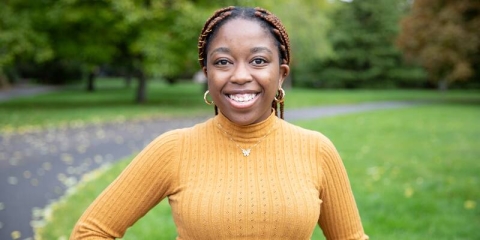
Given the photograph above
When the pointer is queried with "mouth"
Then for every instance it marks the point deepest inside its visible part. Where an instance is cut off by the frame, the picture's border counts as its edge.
(242, 98)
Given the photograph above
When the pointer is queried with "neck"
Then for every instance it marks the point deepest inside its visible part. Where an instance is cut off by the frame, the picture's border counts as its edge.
(245, 134)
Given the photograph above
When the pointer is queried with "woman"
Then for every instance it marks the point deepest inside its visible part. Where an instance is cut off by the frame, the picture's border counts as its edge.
(245, 173)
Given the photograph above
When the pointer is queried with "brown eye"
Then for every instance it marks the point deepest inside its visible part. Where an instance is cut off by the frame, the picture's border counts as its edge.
(259, 61)
(222, 62)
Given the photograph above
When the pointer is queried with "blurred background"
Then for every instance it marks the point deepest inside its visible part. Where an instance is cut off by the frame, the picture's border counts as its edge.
(335, 44)
(84, 84)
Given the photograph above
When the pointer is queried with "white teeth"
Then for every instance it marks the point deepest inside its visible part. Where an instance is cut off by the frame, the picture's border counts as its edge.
(242, 97)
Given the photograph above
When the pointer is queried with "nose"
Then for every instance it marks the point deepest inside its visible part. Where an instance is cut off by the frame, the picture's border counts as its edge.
(241, 74)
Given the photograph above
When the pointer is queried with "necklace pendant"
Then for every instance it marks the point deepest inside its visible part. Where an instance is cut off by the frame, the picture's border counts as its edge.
(246, 152)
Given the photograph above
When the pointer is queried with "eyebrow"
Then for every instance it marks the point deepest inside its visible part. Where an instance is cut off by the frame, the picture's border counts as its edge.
(253, 50)
(260, 49)
(220, 50)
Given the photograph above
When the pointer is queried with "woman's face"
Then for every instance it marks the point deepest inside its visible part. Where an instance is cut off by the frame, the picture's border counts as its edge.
(243, 71)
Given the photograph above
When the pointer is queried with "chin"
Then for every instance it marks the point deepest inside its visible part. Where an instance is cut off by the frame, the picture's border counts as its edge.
(246, 118)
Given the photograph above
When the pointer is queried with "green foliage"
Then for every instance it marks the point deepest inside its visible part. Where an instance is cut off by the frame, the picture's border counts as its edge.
(152, 34)
(365, 56)
(170, 44)
(48, 37)
(443, 36)
(307, 27)
(156, 37)
(334, 44)
(18, 38)
(83, 31)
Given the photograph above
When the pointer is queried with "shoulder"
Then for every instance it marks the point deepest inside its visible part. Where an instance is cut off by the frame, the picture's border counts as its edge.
(168, 138)
(174, 138)
(163, 152)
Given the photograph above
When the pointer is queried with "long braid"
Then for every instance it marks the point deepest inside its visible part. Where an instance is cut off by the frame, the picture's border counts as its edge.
(271, 22)
(275, 108)
(282, 105)
(282, 35)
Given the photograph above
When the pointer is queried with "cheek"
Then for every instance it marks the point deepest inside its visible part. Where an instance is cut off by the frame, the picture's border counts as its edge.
(215, 84)
(271, 81)
(215, 76)
(211, 79)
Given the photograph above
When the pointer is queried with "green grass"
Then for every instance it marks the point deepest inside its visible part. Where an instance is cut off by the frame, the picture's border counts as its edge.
(112, 101)
(313, 97)
(414, 172)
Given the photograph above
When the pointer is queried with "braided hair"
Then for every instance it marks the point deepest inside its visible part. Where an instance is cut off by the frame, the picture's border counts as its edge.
(266, 19)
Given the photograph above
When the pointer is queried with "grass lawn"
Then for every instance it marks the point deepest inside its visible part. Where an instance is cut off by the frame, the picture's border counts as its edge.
(112, 101)
(414, 172)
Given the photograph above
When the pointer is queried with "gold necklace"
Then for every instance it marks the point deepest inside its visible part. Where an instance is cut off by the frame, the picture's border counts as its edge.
(246, 151)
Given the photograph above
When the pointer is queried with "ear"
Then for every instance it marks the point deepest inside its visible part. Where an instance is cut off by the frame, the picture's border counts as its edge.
(284, 71)
(204, 69)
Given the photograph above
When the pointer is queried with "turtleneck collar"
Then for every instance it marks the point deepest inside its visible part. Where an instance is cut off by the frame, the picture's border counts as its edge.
(246, 133)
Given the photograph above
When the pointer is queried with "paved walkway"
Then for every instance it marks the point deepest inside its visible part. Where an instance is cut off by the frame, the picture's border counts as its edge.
(36, 168)
(24, 90)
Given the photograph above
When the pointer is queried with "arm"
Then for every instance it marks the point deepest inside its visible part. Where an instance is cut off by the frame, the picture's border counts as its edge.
(142, 185)
(339, 216)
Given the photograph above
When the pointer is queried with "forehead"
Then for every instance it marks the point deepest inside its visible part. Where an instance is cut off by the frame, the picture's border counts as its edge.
(242, 31)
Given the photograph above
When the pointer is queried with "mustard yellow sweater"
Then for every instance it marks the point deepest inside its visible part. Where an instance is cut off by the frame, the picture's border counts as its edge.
(292, 179)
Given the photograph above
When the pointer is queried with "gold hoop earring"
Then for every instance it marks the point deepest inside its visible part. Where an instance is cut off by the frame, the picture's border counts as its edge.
(280, 97)
(205, 98)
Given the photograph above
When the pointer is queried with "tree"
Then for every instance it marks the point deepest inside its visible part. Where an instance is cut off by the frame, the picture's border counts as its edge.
(363, 39)
(18, 38)
(308, 27)
(160, 40)
(84, 33)
(444, 37)
(143, 37)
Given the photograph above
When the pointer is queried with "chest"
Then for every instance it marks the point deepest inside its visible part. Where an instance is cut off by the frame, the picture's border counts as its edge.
(262, 196)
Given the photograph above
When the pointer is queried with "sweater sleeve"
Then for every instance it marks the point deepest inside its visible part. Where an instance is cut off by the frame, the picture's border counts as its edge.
(339, 216)
(143, 184)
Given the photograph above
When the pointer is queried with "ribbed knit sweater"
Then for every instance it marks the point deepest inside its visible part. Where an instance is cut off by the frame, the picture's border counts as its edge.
(292, 180)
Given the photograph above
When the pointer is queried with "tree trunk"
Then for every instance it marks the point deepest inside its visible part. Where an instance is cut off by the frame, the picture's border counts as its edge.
(91, 80)
(142, 88)
(4, 84)
(443, 85)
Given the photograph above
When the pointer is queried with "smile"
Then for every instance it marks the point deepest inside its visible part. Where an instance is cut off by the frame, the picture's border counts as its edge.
(242, 98)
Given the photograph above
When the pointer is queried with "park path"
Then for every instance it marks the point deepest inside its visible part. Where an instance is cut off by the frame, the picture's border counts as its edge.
(25, 90)
(36, 168)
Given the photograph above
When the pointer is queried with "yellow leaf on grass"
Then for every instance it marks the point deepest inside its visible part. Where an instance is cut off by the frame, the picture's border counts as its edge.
(408, 192)
(469, 204)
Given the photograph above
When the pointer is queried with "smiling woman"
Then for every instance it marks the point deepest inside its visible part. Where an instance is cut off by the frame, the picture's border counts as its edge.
(245, 173)
(243, 71)
(256, 47)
